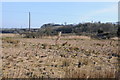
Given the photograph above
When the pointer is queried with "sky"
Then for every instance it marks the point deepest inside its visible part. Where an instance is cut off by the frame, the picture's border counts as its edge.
(15, 14)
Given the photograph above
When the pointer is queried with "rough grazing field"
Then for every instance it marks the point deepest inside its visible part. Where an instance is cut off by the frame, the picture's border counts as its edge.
(73, 57)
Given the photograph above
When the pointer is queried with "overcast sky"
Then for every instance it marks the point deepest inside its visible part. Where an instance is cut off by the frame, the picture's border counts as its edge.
(15, 14)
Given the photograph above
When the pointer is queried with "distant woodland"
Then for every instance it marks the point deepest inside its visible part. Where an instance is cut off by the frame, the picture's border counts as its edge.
(95, 30)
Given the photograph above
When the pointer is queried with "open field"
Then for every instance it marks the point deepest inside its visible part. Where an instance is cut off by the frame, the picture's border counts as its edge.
(72, 57)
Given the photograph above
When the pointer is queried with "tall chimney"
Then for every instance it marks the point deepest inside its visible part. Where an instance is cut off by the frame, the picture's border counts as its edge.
(29, 21)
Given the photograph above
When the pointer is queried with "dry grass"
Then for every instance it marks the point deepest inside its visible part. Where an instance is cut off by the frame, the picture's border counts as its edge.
(88, 72)
(9, 35)
(71, 58)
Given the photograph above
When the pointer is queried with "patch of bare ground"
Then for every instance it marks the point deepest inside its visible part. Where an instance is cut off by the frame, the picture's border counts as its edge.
(73, 57)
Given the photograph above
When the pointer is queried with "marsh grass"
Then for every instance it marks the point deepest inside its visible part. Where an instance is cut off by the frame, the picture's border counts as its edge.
(44, 58)
(88, 73)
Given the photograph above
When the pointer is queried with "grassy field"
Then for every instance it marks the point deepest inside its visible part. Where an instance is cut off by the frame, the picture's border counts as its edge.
(72, 57)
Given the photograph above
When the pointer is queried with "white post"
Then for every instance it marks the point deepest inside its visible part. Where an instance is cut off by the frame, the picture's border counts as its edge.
(58, 37)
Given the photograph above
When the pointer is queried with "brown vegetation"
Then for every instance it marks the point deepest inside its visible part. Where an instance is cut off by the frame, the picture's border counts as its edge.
(71, 58)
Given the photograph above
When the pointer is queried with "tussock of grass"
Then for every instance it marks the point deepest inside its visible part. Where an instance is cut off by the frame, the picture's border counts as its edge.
(10, 40)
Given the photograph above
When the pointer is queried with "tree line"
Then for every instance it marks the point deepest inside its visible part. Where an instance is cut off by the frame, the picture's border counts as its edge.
(94, 30)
